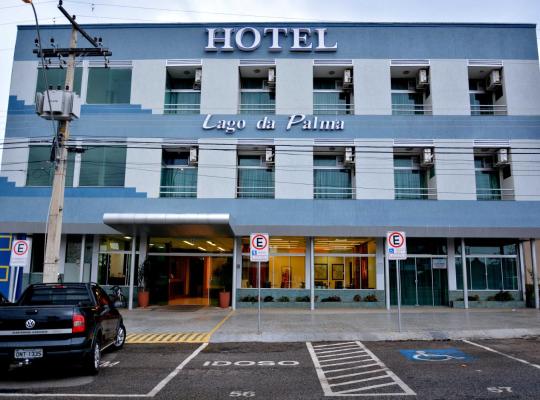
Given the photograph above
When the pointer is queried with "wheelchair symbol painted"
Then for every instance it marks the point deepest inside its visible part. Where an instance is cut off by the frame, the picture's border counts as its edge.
(422, 355)
(434, 355)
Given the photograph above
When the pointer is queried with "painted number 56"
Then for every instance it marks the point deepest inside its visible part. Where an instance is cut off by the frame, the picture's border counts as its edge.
(238, 393)
(500, 389)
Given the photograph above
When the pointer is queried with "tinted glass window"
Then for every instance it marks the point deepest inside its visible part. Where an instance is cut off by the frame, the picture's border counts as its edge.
(56, 295)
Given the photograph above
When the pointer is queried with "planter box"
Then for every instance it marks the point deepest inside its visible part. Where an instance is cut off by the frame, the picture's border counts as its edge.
(273, 304)
(348, 304)
(490, 304)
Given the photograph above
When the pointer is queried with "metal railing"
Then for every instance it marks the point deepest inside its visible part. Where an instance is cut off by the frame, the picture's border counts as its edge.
(490, 109)
(415, 193)
(255, 192)
(181, 108)
(333, 192)
(495, 194)
(333, 109)
(178, 191)
(411, 109)
(250, 108)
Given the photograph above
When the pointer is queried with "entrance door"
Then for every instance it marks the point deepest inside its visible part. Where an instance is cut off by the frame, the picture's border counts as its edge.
(421, 284)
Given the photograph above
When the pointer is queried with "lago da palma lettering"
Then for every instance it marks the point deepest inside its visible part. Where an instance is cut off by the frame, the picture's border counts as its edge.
(267, 124)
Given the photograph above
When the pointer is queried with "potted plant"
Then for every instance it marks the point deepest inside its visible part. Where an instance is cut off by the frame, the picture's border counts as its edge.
(225, 281)
(143, 295)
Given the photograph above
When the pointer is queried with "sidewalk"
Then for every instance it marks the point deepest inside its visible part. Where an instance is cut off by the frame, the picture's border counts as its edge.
(331, 325)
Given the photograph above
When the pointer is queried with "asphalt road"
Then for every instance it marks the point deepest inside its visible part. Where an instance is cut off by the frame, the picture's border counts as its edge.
(490, 369)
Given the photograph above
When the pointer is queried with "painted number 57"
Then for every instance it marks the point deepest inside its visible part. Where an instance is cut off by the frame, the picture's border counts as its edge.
(239, 393)
(500, 389)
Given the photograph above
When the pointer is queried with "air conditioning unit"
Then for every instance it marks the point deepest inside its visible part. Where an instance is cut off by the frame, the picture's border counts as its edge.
(269, 156)
(427, 159)
(193, 157)
(493, 80)
(502, 158)
(347, 79)
(60, 105)
(349, 156)
(271, 82)
(422, 79)
(198, 79)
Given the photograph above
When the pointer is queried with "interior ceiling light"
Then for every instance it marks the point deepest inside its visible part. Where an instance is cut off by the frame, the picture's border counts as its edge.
(127, 237)
(186, 242)
(211, 243)
(331, 72)
(201, 248)
(257, 70)
(187, 72)
(407, 72)
(221, 249)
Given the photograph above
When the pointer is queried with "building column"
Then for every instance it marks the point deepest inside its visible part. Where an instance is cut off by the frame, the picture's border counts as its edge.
(236, 270)
(379, 263)
(312, 274)
(95, 259)
(535, 274)
(522, 271)
(451, 264)
(132, 270)
(464, 269)
(81, 260)
(386, 276)
(62, 256)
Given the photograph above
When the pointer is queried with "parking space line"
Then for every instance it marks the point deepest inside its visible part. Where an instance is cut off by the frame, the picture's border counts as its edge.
(502, 354)
(353, 384)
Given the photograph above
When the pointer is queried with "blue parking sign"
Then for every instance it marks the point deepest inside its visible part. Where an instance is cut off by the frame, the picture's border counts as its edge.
(436, 355)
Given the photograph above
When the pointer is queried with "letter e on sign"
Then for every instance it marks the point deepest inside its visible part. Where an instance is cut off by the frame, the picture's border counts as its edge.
(258, 247)
(396, 245)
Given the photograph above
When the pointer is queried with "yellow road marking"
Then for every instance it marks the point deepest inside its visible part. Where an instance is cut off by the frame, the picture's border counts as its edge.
(175, 337)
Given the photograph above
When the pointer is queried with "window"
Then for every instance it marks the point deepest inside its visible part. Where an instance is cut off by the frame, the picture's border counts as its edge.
(331, 98)
(406, 99)
(410, 180)
(114, 260)
(255, 177)
(286, 266)
(331, 179)
(103, 166)
(56, 77)
(178, 176)
(40, 170)
(345, 263)
(486, 91)
(491, 265)
(488, 182)
(183, 90)
(109, 86)
(256, 97)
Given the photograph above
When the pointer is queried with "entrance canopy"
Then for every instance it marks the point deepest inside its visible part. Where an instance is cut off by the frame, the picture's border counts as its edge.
(193, 225)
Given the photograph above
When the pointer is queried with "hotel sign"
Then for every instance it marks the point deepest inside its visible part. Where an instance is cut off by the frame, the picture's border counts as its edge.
(250, 39)
(300, 121)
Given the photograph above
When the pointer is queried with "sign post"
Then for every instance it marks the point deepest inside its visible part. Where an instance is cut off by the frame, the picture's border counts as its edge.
(397, 250)
(258, 252)
(19, 261)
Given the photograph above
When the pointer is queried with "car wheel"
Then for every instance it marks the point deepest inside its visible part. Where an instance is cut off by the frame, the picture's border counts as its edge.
(93, 360)
(120, 338)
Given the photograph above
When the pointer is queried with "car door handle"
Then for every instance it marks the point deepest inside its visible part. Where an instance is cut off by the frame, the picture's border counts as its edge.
(31, 312)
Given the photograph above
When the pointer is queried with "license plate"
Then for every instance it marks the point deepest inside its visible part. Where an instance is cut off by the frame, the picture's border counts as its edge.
(28, 353)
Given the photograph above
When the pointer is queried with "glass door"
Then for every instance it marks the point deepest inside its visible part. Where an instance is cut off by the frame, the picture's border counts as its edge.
(425, 281)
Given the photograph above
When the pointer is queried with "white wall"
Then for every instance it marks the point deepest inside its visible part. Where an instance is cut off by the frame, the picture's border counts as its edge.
(294, 168)
(24, 80)
(220, 86)
(217, 168)
(449, 85)
(143, 165)
(148, 84)
(454, 167)
(372, 87)
(294, 86)
(521, 79)
(524, 169)
(374, 168)
(15, 161)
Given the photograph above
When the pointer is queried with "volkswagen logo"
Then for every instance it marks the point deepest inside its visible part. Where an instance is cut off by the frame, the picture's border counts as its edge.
(30, 323)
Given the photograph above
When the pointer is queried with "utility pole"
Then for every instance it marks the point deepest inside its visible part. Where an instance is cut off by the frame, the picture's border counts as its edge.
(56, 210)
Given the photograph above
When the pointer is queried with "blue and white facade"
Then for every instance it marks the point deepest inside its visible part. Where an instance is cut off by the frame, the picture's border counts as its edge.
(323, 135)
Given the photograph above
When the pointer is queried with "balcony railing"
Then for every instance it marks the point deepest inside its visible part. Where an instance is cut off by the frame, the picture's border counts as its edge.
(495, 194)
(333, 192)
(411, 109)
(178, 191)
(415, 193)
(333, 109)
(480, 109)
(179, 101)
(182, 108)
(250, 108)
(255, 192)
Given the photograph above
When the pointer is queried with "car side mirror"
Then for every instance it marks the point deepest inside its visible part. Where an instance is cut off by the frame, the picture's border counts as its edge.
(117, 304)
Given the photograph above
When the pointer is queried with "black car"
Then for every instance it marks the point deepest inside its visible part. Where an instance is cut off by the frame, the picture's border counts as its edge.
(3, 299)
(67, 321)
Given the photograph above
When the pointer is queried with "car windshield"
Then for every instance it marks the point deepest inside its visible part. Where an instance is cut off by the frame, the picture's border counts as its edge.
(56, 295)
